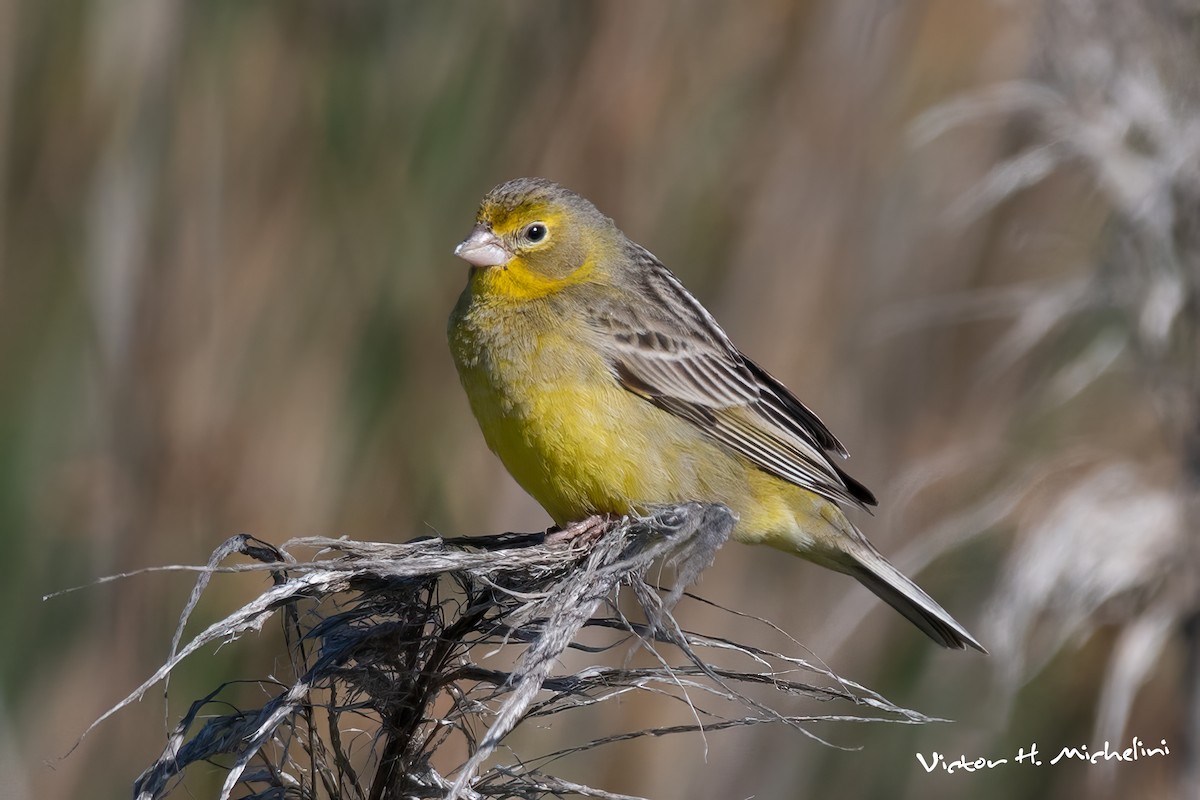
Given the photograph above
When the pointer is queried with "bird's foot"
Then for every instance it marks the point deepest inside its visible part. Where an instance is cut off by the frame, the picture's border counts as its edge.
(583, 532)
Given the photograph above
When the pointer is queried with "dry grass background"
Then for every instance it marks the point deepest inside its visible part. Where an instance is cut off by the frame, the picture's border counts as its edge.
(966, 233)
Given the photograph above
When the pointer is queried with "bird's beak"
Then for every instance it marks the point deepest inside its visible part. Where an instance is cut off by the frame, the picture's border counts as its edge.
(482, 248)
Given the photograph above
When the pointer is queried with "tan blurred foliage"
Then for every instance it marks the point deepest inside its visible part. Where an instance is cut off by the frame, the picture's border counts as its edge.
(960, 231)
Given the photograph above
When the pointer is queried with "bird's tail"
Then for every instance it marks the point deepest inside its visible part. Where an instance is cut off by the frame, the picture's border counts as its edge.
(875, 572)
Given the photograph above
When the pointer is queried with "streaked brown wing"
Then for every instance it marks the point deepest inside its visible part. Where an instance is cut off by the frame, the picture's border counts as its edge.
(675, 355)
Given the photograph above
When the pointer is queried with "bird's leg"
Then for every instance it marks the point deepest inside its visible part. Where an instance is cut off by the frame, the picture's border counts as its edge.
(583, 532)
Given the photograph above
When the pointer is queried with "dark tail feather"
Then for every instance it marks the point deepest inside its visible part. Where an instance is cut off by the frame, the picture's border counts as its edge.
(877, 574)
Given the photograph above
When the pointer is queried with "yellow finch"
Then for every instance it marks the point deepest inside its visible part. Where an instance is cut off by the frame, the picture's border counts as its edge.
(605, 387)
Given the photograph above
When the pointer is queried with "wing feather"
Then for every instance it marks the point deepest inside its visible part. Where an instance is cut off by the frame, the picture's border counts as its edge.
(675, 355)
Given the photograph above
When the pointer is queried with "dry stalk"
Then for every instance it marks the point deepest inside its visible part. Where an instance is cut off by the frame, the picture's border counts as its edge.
(394, 650)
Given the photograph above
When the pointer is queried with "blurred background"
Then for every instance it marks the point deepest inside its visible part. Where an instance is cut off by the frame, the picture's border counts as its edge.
(967, 234)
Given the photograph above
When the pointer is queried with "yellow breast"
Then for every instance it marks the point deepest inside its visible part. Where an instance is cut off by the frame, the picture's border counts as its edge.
(556, 434)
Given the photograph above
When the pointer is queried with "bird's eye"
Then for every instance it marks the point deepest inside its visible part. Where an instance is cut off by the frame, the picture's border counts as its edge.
(535, 232)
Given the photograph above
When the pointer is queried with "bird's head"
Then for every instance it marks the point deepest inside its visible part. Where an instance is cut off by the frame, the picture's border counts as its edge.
(541, 235)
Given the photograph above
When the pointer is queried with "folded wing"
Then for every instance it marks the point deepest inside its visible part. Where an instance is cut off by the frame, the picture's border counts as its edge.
(675, 355)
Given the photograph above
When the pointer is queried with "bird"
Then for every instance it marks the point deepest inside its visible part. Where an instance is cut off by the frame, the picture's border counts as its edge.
(604, 387)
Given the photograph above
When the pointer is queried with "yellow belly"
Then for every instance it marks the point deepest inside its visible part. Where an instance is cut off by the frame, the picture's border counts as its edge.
(575, 445)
